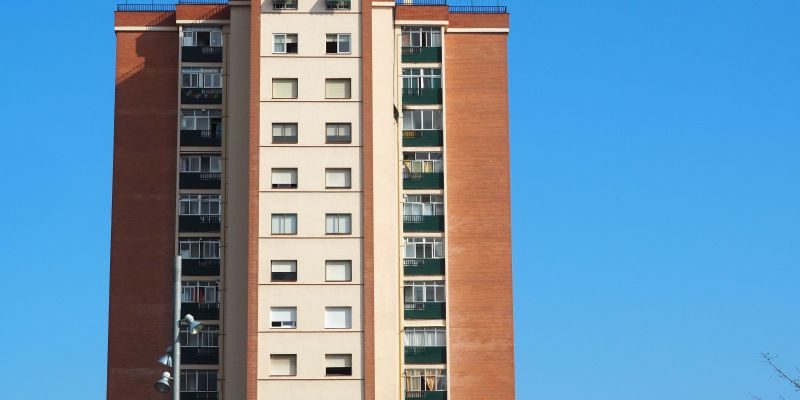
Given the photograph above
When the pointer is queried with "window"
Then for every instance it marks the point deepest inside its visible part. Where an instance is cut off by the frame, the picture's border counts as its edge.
(284, 178)
(283, 317)
(422, 162)
(284, 133)
(337, 224)
(338, 364)
(284, 271)
(284, 224)
(337, 88)
(201, 37)
(208, 337)
(421, 36)
(425, 380)
(201, 77)
(198, 381)
(338, 318)
(337, 178)
(338, 271)
(423, 292)
(199, 204)
(425, 337)
(423, 204)
(418, 120)
(337, 43)
(422, 78)
(422, 247)
(200, 163)
(284, 43)
(199, 248)
(200, 292)
(283, 364)
(201, 120)
(284, 88)
(338, 133)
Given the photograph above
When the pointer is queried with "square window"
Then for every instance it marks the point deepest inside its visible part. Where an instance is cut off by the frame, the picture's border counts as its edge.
(338, 133)
(284, 43)
(283, 271)
(338, 318)
(283, 317)
(338, 271)
(283, 364)
(284, 224)
(338, 364)
(337, 88)
(284, 88)
(284, 178)
(284, 133)
(337, 43)
(337, 178)
(338, 224)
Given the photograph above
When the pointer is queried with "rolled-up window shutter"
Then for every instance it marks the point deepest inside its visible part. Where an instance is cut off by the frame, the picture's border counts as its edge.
(284, 88)
(337, 178)
(337, 88)
(338, 360)
(284, 266)
(283, 314)
(284, 176)
(337, 317)
(338, 271)
(283, 365)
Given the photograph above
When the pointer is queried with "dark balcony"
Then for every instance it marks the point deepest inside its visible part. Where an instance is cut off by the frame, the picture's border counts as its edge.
(201, 138)
(284, 186)
(338, 139)
(201, 54)
(423, 138)
(425, 355)
(284, 276)
(337, 4)
(201, 96)
(284, 4)
(426, 395)
(339, 371)
(199, 355)
(423, 223)
(423, 266)
(422, 54)
(423, 180)
(201, 180)
(199, 396)
(284, 139)
(199, 223)
(424, 311)
(200, 267)
(422, 96)
(201, 311)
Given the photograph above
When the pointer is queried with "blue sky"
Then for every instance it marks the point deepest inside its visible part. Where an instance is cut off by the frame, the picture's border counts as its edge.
(656, 205)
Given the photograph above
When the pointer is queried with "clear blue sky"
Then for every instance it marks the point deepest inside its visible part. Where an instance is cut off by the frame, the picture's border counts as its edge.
(656, 197)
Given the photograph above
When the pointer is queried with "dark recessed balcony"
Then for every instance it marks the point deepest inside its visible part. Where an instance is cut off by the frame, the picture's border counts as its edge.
(199, 355)
(426, 395)
(423, 266)
(425, 311)
(201, 54)
(200, 180)
(201, 138)
(338, 371)
(422, 54)
(201, 96)
(199, 396)
(200, 267)
(423, 223)
(337, 4)
(201, 311)
(423, 138)
(422, 96)
(284, 4)
(425, 355)
(338, 139)
(284, 276)
(423, 180)
(284, 186)
(199, 223)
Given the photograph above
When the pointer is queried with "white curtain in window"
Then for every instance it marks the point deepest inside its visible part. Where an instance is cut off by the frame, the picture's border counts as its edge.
(338, 271)
(284, 88)
(337, 88)
(337, 317)
(337, 178)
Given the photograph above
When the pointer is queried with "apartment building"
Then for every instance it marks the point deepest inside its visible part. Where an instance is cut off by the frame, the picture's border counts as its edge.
(335, 177)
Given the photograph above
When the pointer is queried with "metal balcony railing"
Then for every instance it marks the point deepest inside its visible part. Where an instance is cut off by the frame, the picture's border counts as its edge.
(337, 4)
(145, 7)
(338, 139)
(284, 4)
(284, 276)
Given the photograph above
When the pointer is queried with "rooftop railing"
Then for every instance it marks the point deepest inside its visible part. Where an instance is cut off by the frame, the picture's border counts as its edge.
(160, 7)
(469, 8)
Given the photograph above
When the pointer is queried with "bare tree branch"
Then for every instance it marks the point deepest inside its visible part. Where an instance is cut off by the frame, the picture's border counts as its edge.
(754, 397)
(769, 358)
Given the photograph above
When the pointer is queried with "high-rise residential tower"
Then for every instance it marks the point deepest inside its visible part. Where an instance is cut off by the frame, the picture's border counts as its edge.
(335, 177)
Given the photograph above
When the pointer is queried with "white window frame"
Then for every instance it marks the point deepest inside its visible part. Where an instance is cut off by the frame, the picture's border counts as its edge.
(422, 120)
(208, 337)
(198, 248)
(199, 204)
(426, 36)
(433, 244)
(200, 292)
(425, 337)
(194, 163)
(199, 78)
(338, 40)
(281, 324)
(424, 292)
(419, 380)
(286, 40)
(423, 204)
(191, 380)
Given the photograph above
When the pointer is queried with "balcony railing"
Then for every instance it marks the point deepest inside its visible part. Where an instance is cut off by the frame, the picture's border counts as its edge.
(425, 354)
(201, 311)
(201, 54)
(478, 9)
(284, 4)
(425, 310)
(421, 2)
(423, 266)
(200, 266)
(199, 396)
(423, 180)
(199, 223)
(284, 139)
(424, 138)
(422, 96)
(201, 137)
(422, 54)
(201, 95)
(145, 7)
(424, 395)
(423, 223)
(284, 186)
(200, 180)
(337, 4)
(338, 139)
(339, 371)
(199, 355)
(284, 276)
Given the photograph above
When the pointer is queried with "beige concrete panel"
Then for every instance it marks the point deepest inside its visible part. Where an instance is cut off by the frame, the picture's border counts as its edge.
(310, 77)
(311, 164)
(310, 349)
(310, 120)
(310, 302)
(309, 390)
(310, 209)
(311, 31)
(310, 255)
